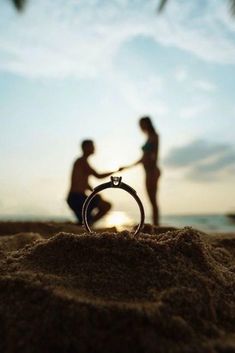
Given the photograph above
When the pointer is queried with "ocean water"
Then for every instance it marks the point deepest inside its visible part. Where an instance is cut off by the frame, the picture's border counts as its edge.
(207, 223)
(204, 222)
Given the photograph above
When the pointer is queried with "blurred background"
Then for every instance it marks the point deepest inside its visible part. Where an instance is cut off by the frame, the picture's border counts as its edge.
(71, 70)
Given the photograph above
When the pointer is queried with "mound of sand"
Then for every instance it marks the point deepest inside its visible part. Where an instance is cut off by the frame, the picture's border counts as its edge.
(46, 229)
(117, 293)
(18, 241)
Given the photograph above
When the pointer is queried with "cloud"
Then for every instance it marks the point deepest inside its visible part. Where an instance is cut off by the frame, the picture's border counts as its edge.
(143, 95)
(193, 152)
(194, 110)
(205, 86)
(181, 74)
(222, 165)
(200, 29)
(202, 160)
(81, 38)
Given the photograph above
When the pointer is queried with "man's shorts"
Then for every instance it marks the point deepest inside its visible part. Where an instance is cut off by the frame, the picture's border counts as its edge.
(76, 200)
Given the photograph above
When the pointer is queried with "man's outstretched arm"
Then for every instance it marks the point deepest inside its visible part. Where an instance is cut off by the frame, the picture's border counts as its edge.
(101, 175)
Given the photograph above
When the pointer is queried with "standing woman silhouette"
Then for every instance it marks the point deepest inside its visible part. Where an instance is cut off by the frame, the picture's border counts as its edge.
(149, 160)
(150, 164)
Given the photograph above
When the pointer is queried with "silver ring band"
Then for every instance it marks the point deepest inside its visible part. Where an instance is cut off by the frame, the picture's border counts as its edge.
(116, 182)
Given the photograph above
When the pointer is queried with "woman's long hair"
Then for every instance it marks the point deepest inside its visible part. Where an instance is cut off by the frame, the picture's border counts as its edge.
(148, 124)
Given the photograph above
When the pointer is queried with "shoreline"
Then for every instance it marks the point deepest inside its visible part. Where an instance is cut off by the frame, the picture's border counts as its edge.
(205, 222)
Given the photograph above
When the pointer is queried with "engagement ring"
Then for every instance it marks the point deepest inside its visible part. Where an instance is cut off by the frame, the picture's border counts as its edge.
(116, 182)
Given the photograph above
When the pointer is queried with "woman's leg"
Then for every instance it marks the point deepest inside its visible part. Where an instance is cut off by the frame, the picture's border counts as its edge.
(151, 186)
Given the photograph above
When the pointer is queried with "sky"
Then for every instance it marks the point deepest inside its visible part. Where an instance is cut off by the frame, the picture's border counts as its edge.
(77, 69)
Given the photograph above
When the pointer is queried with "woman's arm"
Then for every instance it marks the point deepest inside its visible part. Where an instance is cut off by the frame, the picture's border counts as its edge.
(131, 165)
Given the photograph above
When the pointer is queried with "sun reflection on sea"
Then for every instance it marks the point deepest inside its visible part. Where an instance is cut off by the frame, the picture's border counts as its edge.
(118, 219)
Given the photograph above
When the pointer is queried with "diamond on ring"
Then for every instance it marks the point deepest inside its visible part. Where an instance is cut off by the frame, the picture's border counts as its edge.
(116, 180)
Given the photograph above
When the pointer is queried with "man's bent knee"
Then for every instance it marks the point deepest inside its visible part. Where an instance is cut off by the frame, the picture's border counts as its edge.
(105, 206)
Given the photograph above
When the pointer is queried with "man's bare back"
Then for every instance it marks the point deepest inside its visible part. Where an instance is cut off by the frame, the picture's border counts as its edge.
(80, 186)
(80, 176)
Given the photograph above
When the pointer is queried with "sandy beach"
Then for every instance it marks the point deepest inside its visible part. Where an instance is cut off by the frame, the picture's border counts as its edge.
(63, 290)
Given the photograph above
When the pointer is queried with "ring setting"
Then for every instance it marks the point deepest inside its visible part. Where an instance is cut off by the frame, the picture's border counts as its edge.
(116, 181)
